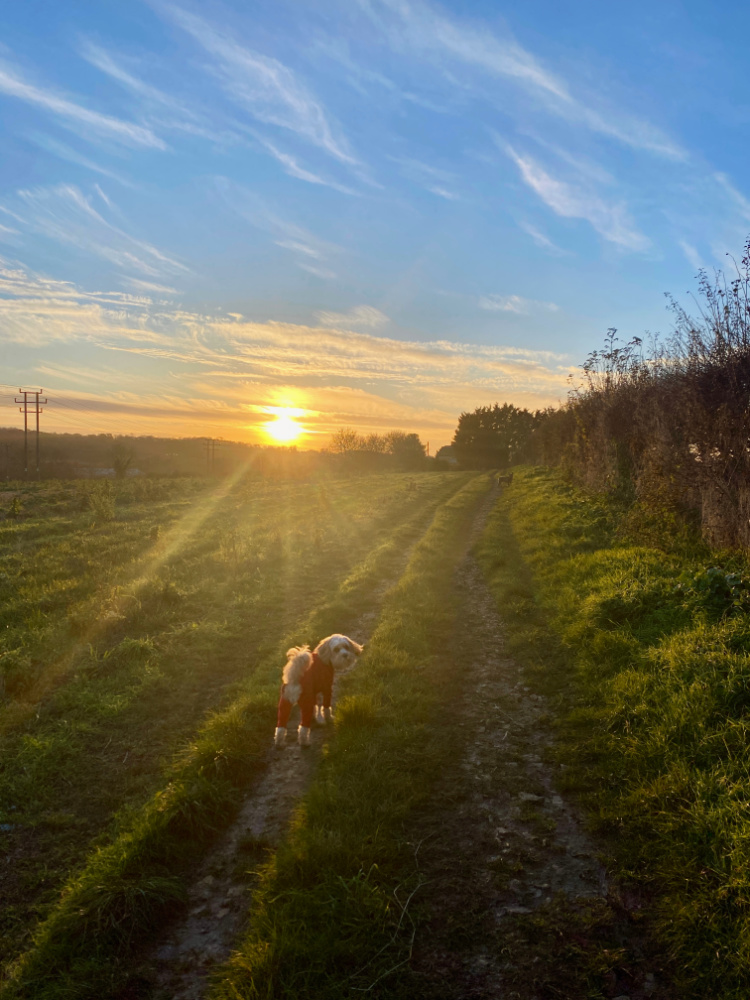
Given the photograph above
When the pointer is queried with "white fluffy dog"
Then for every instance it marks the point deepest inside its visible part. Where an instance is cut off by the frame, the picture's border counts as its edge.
(307, 675)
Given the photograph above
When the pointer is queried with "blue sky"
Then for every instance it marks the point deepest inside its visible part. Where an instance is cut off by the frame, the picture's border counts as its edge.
(378, 212)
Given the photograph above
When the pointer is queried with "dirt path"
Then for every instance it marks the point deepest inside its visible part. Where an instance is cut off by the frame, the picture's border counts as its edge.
(179, 965)
(519, 902)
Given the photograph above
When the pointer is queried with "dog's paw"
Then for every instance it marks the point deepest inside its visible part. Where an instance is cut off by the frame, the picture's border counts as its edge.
(303, 736)
(322, 715)
(279, 739)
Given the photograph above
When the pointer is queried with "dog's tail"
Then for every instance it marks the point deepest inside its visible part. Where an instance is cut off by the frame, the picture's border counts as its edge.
(298, 659)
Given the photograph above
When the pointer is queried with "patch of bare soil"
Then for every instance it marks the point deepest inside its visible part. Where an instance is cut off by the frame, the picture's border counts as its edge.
(518, 903)
(179, 965)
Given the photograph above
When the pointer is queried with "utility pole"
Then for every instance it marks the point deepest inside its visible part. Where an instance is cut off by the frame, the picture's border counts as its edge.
(38, 402)
(210, 446)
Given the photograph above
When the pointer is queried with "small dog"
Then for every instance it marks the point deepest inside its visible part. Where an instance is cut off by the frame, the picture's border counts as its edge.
(307, 675)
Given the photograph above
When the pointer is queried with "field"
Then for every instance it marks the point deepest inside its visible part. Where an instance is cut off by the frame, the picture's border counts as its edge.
(130, 620)
(536, 784)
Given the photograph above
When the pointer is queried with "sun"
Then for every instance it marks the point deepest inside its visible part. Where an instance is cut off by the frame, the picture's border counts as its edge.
(284, 428)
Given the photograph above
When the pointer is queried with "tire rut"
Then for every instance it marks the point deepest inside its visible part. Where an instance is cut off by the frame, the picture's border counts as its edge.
(180, 964)
(504, 848)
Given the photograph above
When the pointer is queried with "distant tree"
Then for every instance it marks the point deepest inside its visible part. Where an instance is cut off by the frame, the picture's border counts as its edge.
(407, 450)
(123, 455)
(345, 440)
(375, 451)
(493, 437)
(376, 444)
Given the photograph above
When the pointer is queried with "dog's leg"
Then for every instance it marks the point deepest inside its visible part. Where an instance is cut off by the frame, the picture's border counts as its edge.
(282, 718)
(327, 715)
(306, 712)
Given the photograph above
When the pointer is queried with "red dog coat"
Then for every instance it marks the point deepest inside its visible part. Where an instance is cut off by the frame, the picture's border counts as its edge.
(317, 679)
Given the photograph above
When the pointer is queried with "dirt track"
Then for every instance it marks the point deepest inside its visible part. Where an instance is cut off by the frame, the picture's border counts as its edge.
(502, 853)
(219, 895)
(510, 870)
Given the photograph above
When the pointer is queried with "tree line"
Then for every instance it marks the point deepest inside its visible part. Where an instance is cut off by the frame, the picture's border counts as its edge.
(665, 427)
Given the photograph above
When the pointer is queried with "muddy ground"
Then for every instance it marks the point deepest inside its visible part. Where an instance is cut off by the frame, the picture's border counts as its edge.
(515, 902)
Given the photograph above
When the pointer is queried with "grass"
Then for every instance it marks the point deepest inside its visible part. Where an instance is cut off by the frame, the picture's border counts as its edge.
(332, 911)
(114, 761)
(652, 679)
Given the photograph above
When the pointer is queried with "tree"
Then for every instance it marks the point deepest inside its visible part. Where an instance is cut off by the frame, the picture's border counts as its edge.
(376, 444)
(344, 440)
(407, 450)
(123, 455)
(493, 437)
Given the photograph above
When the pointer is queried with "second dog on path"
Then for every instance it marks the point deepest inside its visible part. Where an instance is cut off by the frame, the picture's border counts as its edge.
(307, 675)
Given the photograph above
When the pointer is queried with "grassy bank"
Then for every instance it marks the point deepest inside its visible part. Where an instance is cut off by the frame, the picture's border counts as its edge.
(332, 914)
(135, 874)
(643, 651)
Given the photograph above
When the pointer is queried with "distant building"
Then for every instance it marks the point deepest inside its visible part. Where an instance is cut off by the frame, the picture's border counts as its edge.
(446, 454)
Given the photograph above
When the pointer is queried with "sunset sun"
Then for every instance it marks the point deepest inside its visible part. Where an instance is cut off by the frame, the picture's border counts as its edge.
(284, 429)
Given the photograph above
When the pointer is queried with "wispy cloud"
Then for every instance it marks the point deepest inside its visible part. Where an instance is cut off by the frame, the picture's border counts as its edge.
(106, 63)
(540, 239)
(294, 169)
(320, 272)
(162, 110)
(515, 304)
(425, 30)
(264, 86)
(741, 203)
(610, 220)
(361, 316)
(150, 287)
(65, 152)
(342, 375)
(82, 120)
(426, 175)
(64, 214)
(301, 242)
(442, 192)
(691, 254)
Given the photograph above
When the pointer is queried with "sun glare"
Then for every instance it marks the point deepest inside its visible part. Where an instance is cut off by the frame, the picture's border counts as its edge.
(284, 428)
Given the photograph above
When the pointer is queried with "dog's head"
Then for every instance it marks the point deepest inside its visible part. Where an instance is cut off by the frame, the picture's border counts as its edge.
(338, 651)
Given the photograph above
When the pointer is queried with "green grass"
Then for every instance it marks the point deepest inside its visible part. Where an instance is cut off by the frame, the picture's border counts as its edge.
(114, 761)
(653, 684)
(332, 914)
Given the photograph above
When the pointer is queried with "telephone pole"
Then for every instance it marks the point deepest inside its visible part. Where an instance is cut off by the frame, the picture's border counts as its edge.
(210, 445)
(24, 408)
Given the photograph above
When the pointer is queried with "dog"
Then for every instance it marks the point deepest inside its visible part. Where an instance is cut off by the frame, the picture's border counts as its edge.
(505, 480)
(307, 675)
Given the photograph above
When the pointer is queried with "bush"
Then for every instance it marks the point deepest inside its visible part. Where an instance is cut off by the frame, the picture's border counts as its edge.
(668, 429)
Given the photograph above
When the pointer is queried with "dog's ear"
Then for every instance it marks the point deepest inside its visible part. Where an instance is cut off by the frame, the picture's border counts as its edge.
(355, 646)
(323, 649)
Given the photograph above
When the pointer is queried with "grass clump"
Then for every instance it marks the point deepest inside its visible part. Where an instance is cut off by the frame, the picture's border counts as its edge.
(333, 914)
(645, 654)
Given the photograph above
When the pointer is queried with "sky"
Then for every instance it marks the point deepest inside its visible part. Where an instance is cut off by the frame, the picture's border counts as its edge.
(367, 213)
